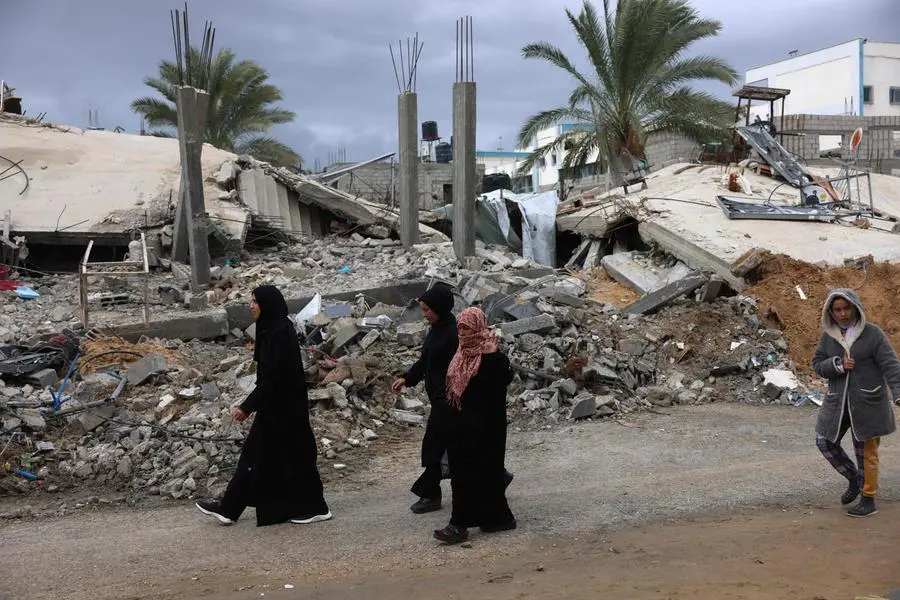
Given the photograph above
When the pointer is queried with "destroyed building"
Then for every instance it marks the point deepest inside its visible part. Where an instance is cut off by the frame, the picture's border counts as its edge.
(613, 300)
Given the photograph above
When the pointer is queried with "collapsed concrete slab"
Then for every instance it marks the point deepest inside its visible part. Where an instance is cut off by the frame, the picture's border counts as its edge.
(207, 326)
(663, 296)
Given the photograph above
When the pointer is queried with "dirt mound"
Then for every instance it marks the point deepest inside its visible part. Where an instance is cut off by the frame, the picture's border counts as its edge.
(878, 285)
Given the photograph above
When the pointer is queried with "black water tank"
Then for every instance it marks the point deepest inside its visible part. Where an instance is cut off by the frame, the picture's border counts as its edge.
(430, 131)
(495, 181)
(443, 153)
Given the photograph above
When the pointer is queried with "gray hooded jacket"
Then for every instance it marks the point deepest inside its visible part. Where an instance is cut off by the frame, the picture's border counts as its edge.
(869, 387)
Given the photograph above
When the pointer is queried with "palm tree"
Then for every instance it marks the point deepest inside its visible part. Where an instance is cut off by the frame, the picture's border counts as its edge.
(240, 110)
(638, 84)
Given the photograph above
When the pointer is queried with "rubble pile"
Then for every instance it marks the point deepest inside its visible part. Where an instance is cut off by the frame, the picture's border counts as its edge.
(328, 266)
(154, 418)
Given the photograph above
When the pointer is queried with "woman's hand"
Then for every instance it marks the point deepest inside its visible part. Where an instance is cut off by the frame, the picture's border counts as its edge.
(239, 415)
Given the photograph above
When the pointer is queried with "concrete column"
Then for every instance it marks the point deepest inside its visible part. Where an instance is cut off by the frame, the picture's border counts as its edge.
(464, 183)
(190, 139)
(408, 118)
(180, 241)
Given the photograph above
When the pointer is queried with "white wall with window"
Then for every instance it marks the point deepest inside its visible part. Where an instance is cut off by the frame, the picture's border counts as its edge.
(858, 77)
(546, 173)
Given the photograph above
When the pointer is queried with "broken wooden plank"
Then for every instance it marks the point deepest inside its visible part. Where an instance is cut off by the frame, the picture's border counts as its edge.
(593, 254)
(663, 296)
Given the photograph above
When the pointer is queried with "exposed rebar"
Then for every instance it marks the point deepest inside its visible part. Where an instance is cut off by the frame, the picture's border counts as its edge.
(465, 49)
(190, 74)
(406, 66)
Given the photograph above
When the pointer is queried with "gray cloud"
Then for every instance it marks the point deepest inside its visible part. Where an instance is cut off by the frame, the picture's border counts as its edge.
(334, 67)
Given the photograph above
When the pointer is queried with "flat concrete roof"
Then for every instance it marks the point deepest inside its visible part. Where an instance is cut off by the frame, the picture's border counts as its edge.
(680, 204)
(98, 184)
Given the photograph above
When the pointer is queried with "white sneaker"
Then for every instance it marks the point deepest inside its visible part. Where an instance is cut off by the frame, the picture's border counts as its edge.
(312, 519)
(211, 509)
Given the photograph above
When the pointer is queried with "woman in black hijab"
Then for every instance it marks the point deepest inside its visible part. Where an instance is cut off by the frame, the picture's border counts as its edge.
(437, 352)
(277, 470)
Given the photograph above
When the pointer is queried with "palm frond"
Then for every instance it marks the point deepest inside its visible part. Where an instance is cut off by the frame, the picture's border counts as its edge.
(242, 104)
(270, 150)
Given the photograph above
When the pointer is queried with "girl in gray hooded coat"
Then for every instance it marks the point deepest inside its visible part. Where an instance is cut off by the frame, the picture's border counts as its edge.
(863, 378)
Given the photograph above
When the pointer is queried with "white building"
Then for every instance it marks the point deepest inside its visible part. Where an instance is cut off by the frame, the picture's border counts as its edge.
(544, 175)
(859, 77)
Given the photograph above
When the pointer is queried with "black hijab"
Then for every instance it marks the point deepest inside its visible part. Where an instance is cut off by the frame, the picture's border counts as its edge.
(439, 298)
(272, 310)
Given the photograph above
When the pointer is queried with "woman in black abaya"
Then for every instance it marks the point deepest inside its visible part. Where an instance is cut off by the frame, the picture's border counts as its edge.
(277, 470)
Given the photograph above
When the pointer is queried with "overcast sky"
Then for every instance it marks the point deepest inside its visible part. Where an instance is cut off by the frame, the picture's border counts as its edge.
(332, 63)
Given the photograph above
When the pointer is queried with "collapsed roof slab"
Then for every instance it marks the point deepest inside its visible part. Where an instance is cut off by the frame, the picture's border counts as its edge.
(95, 185)
(682, 216)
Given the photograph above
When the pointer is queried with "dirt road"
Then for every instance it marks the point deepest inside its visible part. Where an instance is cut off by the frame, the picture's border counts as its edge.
(720, 501)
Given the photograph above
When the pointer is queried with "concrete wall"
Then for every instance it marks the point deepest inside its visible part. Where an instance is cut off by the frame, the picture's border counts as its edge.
(822, 82)
(373, 182)
(879, 150)
(668, 148)
(881, 72)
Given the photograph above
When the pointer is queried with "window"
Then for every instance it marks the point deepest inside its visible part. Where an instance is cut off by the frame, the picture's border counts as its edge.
(553, 160)
(895, 95)
(543, 162)
(867, 94)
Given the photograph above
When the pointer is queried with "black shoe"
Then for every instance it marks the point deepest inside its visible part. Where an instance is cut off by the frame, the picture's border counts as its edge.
(426, 505)
(502, 527)
(312, 518)
(507, 479)
(451, 534)
(851, 493)
(214, 510)
(865, 508)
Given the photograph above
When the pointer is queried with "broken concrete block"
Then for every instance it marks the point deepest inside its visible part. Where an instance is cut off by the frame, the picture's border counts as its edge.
(369, 339)
(585, 406)
(711, 290)
(594, 370)
(344, 336)
(319, 395)
(338, 395)
(209, 391)
(90, 421)
(143, 369)
(478, 288)
(404, 416)
(31, 418)
(43, 378)
(623, 268)
(663, 296)
(411, 335)
(562, 297)
(540, 323)
(226, 173)
(409, 403)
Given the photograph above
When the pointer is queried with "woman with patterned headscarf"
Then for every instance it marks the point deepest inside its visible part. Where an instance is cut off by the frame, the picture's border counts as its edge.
(477, 379)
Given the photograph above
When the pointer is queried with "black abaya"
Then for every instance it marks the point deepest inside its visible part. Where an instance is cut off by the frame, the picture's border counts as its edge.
(437, 352)
(477, 448)
(277, 470)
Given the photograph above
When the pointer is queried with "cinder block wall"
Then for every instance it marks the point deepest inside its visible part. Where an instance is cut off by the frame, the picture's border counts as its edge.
(374, 182)
(879, 150)
(664, 149)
